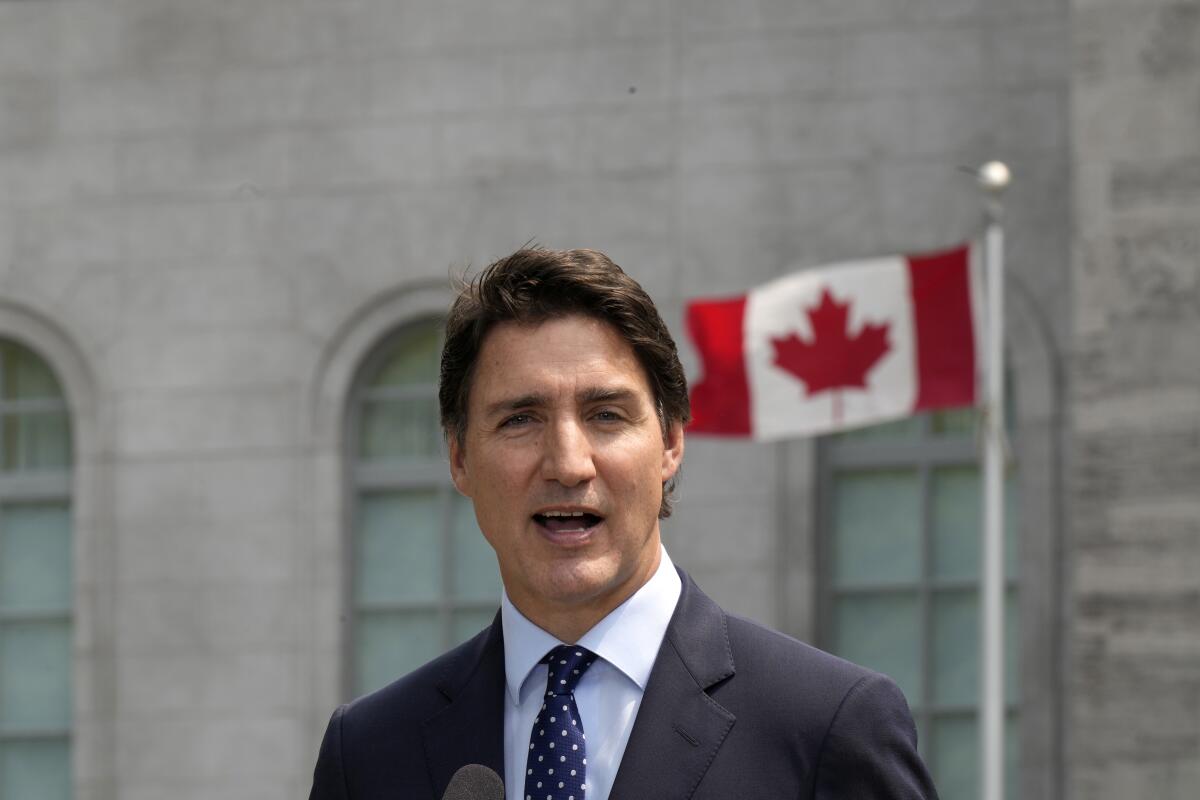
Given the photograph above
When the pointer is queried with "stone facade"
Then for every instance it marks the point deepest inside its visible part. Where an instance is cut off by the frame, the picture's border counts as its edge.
(1134, 469)
(211, 211)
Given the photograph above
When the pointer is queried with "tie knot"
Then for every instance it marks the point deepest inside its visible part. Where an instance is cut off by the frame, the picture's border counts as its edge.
(567, 664)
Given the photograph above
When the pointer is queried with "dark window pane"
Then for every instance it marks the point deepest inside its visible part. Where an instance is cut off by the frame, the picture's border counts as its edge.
(391, 644)
(413, 358)
(398, 547)
(400, 429)
(24, 375)
(882, 632)
(35, 675)
(35, 557)
(38, 770)
(877, 527)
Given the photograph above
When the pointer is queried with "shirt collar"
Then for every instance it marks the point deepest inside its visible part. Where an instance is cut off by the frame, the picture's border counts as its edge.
(628, 637)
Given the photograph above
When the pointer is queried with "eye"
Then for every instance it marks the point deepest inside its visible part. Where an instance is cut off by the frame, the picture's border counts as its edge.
(607, 415)
(515, 421)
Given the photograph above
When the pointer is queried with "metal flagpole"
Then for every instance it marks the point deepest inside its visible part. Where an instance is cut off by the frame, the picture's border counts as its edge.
(994, 177)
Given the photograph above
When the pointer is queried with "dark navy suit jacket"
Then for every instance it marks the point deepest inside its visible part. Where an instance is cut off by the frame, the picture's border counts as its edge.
(731, 710)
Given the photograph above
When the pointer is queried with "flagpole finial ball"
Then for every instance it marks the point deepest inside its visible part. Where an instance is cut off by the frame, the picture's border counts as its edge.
(995, 175)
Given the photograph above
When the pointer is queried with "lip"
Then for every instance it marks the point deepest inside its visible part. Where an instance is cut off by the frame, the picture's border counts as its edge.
(568, 539)
(569, 509)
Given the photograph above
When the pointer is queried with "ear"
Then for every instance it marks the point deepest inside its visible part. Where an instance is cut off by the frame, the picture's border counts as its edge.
(672, 450)
(458, 466)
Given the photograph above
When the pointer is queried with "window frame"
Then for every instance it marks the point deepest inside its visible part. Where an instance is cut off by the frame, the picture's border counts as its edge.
(430, 473)
(924, 452)
(41, 485)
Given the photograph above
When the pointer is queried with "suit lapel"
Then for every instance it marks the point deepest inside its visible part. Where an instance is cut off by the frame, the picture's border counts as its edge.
(679, 728)
(470, 730)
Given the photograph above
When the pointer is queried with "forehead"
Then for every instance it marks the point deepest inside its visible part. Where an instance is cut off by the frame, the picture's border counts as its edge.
(575, 349)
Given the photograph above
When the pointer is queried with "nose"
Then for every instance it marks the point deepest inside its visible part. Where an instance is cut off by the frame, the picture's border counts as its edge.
(567, 454)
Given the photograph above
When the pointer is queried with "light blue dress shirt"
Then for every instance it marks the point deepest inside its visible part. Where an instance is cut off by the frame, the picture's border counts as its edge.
(610, 692)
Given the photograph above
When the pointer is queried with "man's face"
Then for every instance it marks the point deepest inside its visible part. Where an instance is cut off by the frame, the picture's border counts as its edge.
(564, 458)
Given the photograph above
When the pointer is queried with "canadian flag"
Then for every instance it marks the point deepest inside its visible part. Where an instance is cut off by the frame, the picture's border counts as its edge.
(837, 347)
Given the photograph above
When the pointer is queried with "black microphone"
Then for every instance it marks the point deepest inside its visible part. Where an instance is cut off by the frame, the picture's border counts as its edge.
(475, 782)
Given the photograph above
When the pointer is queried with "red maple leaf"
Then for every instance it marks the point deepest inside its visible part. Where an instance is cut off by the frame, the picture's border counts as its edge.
(833, 359)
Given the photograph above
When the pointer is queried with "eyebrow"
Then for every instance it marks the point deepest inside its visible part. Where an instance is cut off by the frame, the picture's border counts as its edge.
(592, 394)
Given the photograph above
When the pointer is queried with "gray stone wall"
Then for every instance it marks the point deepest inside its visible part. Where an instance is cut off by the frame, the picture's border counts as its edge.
(1135, 435)
(218, 207)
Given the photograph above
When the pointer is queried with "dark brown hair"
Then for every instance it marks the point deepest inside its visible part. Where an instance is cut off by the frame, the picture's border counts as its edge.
(533, 285)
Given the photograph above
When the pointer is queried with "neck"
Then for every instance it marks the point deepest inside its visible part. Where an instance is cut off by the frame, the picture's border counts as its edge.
(569, 622)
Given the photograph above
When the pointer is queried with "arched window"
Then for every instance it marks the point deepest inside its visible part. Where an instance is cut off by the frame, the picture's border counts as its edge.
(901, 521)
(423, 578)
(35, 580)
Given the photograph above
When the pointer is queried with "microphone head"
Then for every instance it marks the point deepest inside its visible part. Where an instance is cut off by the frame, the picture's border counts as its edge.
(475, 782)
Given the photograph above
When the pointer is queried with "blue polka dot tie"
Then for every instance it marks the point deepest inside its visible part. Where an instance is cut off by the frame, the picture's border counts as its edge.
(557, 765)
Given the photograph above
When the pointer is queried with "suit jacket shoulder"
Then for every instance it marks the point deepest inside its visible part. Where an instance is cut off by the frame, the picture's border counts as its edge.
(733, 709)
(849, 728)
(399, 741)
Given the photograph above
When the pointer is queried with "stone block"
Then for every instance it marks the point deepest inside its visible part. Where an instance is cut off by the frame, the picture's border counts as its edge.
(631, 140)
(58, 173)
(912, 59)
(209, 357)
(173, 750)
(172, 36)
(64, 237)
(755, 66)
(362, 155)
(178, 422)
(140, 102)
(1029, 53)
(959, 125)
(1171, 48)
(735, 133)
(580, 77)
(926, 205)
(92, 302)
(428, 83)
(842, 129)
(28, 38)
(91, 37)
(773, 221)
(182, 232)
(1129, 120)
(214, 617)
(1145, 182)
(713, 17)
(350, 234)
(199, 549)
(327, 31)
(265, 682)
(495, 147)
(216, 164)
(321, 93)
(28, 104)
(152, 496)
(719, 469)
(416, 25)
(893, 60)
(1031, 120)
(613, 19)
(719, 534)
(746, 591)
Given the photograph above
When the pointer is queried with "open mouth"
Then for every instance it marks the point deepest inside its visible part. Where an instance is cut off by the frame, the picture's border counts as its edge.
(567, 521)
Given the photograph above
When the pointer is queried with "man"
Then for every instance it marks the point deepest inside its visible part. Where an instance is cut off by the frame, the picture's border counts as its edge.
(607, 672)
